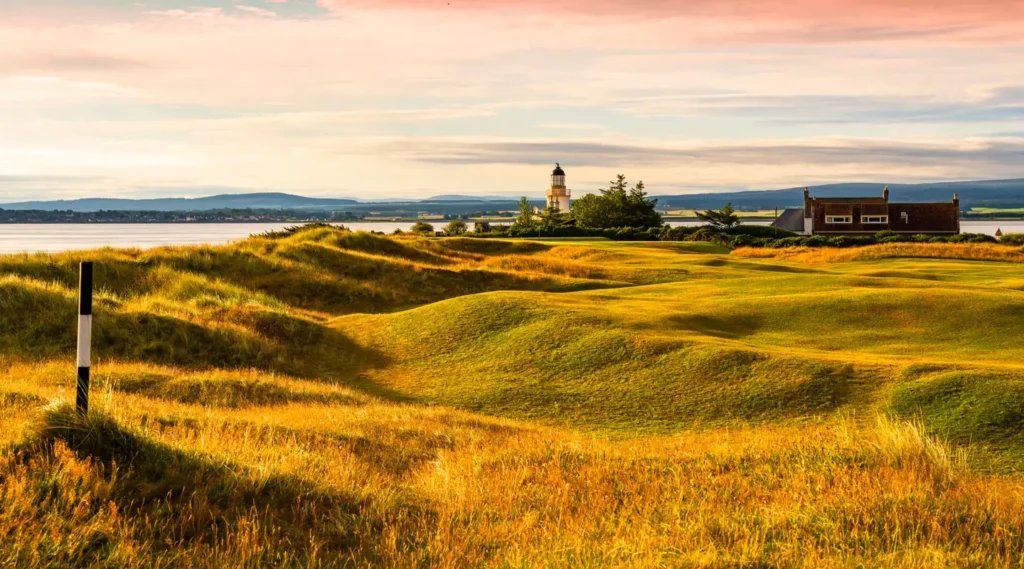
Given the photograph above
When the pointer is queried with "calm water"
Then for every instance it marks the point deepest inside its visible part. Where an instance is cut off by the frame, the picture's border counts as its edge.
(16, 238)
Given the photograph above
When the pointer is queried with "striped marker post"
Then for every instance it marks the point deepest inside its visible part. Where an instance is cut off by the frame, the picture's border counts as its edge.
(84, 336)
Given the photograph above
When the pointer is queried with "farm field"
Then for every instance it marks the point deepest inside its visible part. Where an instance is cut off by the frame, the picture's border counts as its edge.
(337, 399)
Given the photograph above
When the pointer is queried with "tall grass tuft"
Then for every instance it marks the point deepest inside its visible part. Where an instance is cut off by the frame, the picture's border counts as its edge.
(907, 444)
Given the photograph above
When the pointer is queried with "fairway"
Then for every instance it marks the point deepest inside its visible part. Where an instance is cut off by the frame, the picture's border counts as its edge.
(338, 399)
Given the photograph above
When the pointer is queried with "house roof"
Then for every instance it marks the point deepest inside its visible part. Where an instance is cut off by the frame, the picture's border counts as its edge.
(838, 209)
(851, 201)
(791, 220)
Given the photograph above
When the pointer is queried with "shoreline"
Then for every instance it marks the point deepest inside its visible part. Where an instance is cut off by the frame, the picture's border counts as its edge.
(757, 219)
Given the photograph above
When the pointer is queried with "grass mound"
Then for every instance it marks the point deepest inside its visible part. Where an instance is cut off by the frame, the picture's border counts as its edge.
(583, 367)
(969, 406)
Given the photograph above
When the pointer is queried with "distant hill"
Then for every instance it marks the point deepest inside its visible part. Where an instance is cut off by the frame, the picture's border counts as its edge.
(224, 201)
(993, 193)
(463, 199)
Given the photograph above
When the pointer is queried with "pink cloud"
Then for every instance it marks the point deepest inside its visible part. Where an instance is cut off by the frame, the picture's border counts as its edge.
(853, 10)
(804, 20)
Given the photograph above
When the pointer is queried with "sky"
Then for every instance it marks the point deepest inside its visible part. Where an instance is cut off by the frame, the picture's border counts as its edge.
(383, 99)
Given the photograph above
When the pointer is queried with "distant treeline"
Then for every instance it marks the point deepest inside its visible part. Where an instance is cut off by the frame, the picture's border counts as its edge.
(211, 216)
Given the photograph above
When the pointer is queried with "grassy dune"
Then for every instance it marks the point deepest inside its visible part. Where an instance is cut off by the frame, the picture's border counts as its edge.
(963, 251)
(342, 399)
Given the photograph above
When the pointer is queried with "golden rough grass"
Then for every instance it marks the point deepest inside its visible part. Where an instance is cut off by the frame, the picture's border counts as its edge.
(821, 255)
(546, 266)
(390, 485)
(281, 430)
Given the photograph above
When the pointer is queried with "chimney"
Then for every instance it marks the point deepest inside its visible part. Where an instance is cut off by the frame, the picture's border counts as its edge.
(885, 194)
(807, 202)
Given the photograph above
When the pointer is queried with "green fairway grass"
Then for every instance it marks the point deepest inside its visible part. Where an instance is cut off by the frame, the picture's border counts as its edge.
(329, 398)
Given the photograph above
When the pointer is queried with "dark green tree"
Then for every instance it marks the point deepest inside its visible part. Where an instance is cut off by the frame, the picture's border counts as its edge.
(642, 210)
(618, 206)
(552, 217)
(723, 219)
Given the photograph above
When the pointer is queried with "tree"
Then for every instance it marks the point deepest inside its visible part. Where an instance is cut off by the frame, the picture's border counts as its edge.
(422, 227)
(456, 227)
(525, 219)
(723, 219)
(617, 206)
(551, 217)
(642, 210)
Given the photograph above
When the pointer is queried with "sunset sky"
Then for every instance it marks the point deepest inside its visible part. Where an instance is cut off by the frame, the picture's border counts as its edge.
(382, 99)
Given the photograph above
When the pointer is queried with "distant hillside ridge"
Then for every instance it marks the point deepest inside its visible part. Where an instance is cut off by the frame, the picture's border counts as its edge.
(1002, 194)
(267, 200)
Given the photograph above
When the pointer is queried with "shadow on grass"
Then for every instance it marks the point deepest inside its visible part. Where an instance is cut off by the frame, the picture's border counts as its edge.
(259, 339)
(234, 393)
(370, 285)
(728, 327)
(174, 501)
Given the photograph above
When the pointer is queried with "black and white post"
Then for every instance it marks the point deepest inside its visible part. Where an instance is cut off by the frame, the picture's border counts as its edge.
(84, 336)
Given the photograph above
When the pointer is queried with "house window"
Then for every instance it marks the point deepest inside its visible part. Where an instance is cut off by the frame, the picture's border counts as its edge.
(838, 219)
(875, 219)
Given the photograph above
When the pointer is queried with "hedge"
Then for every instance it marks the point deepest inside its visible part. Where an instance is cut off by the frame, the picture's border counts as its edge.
(744, 236)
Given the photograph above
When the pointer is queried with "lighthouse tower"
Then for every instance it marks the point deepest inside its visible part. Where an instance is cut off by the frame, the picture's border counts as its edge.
(558, 195)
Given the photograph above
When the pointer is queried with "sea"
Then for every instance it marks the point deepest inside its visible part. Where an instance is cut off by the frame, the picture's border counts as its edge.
(37, 238)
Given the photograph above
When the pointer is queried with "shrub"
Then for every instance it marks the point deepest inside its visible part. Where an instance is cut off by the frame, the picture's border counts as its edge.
(1012, 239)
(972, 238)
(786, 242)
(705, 234)
(761, 231)
(678, 233)
(840, 241)
(456, 227)
(741, 241)
(422, 227)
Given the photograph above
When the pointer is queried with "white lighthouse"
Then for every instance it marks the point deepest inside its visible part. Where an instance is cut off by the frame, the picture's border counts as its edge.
(558, 195)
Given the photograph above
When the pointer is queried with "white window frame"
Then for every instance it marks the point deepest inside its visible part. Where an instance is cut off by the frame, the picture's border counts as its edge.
(838, 219)
(874, 219)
